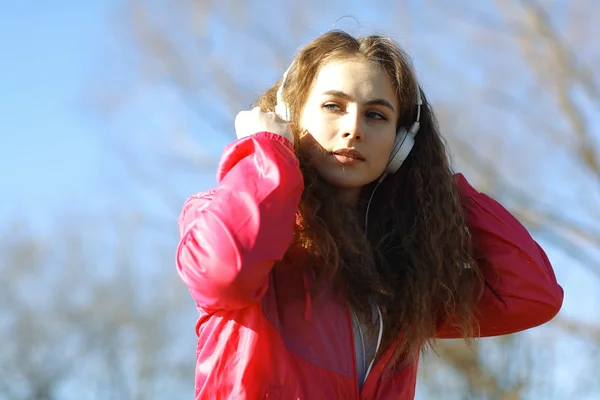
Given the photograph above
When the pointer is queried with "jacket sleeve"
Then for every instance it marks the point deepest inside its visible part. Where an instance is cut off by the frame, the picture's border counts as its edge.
(520, 289)
(231, 236)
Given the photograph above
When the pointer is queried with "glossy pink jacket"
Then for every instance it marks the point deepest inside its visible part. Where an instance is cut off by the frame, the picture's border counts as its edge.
(261, 337)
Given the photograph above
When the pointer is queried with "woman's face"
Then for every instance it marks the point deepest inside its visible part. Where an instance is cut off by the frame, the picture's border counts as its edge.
(350, 119)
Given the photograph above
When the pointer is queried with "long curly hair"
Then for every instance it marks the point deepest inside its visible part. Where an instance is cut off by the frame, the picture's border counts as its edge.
(416, 259)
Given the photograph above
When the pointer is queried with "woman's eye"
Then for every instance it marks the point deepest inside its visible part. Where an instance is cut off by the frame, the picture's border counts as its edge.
(376, 115)
(331, 107)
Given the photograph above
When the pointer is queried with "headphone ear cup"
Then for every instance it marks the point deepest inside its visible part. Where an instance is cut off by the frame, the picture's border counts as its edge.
(403, 144)
(283, 111)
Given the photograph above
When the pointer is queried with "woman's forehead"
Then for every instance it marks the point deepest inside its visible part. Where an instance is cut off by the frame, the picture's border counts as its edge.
(355, 77)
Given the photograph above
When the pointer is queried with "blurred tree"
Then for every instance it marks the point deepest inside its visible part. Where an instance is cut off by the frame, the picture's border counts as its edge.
(80, 320)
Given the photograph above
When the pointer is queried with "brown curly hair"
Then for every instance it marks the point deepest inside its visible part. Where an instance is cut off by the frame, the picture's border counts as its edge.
(416, 260)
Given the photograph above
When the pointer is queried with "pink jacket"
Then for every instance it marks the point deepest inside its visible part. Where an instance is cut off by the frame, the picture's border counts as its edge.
(261, 337)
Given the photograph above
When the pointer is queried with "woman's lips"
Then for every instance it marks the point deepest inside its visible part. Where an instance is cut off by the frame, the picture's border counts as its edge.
(348, 156)
(348, 160)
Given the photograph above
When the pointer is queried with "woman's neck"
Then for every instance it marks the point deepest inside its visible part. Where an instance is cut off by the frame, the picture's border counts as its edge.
(349, 196)
(352, 199)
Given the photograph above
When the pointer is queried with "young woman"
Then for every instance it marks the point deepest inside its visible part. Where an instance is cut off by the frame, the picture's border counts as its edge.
(339, 244)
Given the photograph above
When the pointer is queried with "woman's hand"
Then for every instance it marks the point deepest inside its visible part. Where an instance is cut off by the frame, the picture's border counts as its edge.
(249, 122)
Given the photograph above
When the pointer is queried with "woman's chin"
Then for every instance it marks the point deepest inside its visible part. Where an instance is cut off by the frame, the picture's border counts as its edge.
(349, 189)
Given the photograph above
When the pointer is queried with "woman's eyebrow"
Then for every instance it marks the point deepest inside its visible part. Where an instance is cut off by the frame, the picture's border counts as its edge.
(346, 96)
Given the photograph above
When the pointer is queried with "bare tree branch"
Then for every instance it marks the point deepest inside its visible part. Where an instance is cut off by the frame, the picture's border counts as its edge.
(566, 72)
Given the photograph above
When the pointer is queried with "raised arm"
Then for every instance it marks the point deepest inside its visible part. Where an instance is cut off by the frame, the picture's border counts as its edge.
(232, 235)
(520, 291)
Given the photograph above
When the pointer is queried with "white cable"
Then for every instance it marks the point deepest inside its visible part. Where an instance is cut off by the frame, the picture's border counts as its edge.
(380, 336)
(369, 203)
(378, 310)
(378, 342)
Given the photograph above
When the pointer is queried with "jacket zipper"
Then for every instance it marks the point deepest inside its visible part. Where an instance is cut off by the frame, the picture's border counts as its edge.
(349, 319)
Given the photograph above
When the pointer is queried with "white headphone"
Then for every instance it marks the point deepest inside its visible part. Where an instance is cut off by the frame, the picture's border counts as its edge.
(405, 138)
(281, 108)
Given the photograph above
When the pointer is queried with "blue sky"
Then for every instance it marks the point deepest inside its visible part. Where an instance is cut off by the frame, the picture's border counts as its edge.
(50, 155)
(53, 156)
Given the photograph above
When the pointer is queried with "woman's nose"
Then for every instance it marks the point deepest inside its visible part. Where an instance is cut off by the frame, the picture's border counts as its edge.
(351, 128)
